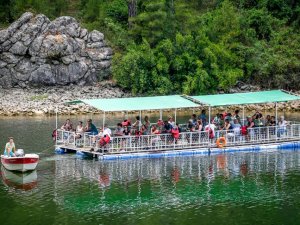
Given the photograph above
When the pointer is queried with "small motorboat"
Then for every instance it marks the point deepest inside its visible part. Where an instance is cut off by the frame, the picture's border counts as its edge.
(21, 162)
(22, 181)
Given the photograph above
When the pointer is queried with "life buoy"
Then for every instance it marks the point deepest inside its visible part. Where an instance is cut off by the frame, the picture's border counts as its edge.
(221, 142)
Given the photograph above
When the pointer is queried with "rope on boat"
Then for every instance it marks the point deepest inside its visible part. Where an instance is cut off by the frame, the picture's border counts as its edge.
(51, 146)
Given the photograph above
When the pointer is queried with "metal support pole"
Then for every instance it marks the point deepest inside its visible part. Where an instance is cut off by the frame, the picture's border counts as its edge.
(209, 112)
(175, 115)
(243, 115)
(56, 123)
(140, 120)
(276, 119)
(160, 114)
(103, 122)
(56, 117)
(276, 113)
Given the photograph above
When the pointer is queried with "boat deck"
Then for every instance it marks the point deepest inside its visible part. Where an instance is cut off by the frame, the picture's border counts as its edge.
(282, 144)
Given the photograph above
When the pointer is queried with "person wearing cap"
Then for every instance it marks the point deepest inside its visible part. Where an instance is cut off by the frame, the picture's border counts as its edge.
(10, 148)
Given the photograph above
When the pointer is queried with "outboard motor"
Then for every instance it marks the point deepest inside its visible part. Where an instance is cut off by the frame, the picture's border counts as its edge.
(20, 153)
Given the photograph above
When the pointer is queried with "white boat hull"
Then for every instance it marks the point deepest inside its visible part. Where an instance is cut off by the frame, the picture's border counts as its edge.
(22, 164)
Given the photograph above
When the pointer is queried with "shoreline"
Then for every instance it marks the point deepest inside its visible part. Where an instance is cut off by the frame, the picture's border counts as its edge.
(44, 100)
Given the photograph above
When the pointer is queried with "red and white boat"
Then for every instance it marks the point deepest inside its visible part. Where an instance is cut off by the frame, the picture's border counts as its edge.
(25, 163)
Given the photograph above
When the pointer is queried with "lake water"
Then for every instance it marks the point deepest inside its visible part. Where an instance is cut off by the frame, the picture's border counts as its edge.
(239, 188)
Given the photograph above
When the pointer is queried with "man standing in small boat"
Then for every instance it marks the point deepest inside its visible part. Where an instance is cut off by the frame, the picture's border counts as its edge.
(10, 148)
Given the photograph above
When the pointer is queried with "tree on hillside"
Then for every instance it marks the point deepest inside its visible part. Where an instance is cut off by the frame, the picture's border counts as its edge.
(132, 11)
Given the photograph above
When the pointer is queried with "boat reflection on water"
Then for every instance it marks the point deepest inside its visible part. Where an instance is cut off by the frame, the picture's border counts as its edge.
(21, 181)
(167, 182)
(104, 180)
(177, 169)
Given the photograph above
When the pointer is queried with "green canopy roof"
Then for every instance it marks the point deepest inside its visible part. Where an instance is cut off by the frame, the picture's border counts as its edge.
(139, 103)
(245, 98)
(177, 101)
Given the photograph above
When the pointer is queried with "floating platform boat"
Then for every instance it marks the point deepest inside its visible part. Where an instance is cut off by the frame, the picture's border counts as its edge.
(207, 141)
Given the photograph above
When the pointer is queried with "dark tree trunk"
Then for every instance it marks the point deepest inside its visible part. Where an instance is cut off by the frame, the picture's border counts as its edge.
(132, 11)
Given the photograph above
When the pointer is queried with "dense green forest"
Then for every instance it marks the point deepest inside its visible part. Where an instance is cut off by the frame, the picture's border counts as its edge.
(187, 46)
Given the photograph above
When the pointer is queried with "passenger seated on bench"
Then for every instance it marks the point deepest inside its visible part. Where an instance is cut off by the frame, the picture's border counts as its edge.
(273, 121)
(126, 131)
(90, 128)
(154, 130)
(79, 130)
(143, 130)
(119, 130)
(227, 125)
(268, 120)
(67, 126)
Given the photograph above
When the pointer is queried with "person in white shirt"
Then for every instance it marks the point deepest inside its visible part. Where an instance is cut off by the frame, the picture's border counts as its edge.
(282, 126)
(106, 131)
(211, 128)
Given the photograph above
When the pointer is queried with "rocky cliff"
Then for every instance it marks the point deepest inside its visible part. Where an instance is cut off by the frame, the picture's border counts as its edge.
(36, 51)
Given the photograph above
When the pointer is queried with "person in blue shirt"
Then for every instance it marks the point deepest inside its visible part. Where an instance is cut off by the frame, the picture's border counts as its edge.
(91, 128)
(202, 117)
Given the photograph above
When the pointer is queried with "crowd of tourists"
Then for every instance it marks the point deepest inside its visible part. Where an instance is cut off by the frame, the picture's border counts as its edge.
(222, 122)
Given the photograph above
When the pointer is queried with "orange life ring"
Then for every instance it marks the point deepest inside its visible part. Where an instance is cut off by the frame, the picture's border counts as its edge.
(221, 142)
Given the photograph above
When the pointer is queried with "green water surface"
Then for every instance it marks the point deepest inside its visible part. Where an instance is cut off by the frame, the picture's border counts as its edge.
(238, 188)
